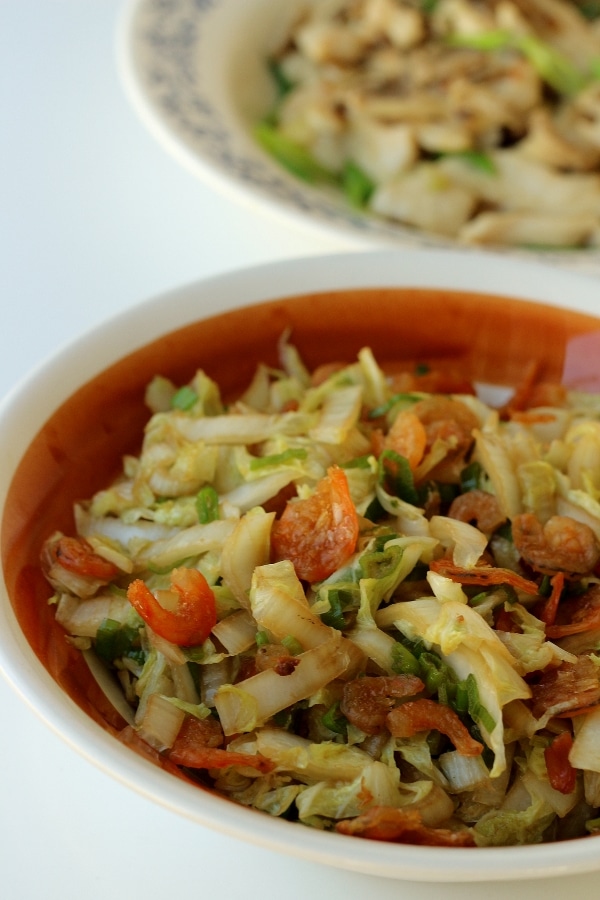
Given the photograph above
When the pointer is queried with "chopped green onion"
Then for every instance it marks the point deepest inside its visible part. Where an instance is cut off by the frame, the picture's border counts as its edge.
(447, 492)
(505, 532)
(207, 505)
(359, 462)
(379, 563)
(475, 158)
(396, 476)
(335, 720)
(594, 68)
(114, 641)
(389, 404)
(291, 155)
(433, 671)
(292, 645)
(496, 39)
(283, 719)
(184, 398)
(461, 698)
(338, 601)
(477, 710)
(444, 693)
(357, 185)
(262, 638)
(276, 459)
(430, 489)
(545, 588)
(375, 511)
(552, 67)
(381, 540)
(403, 661)
(470, 477)
(555, 69)
(282, 82)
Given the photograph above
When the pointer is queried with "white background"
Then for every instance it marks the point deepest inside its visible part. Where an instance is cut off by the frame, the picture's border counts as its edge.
(94, 217)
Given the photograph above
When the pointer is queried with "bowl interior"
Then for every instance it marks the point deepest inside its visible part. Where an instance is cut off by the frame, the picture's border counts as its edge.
(487, 338)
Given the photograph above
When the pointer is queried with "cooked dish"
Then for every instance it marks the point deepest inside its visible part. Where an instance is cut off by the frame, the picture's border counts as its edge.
(368, 603)
(473, 119)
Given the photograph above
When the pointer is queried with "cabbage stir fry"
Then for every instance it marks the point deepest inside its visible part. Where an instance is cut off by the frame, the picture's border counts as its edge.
(368, 603)
(472, 119)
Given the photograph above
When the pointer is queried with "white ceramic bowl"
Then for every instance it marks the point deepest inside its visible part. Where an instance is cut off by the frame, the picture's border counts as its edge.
(195, 72)
(65, 427)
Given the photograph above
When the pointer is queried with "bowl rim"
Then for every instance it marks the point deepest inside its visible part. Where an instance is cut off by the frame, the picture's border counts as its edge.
(21, 413)
(248, 175)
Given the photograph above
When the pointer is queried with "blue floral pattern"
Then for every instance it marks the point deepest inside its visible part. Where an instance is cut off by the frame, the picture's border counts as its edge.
(165, 44)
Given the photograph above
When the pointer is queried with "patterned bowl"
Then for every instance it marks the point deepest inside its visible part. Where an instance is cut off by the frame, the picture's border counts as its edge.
(195, 72)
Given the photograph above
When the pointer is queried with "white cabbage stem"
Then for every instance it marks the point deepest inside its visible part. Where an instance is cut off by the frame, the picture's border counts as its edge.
(250, 703)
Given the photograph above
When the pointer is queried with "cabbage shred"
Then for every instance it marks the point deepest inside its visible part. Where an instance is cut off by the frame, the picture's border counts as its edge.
(428, 675)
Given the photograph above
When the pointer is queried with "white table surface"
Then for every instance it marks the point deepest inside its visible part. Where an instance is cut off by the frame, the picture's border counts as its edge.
(94, 216)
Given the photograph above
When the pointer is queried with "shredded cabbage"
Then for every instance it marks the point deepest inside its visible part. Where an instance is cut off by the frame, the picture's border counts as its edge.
(426, 665)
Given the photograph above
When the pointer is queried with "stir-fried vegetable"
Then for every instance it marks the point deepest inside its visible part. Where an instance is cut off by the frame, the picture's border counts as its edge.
(471, 119)
(355, 603)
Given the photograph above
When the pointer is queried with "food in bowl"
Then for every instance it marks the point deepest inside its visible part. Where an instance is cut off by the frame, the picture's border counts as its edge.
(67, 429)
(364, 600)
(469, 120)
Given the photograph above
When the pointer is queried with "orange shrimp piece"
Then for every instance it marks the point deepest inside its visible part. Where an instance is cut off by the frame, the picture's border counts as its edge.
(560, 544)
(561, 774)
(423, 715)
(576, 615)
(480, 507)
(318, 533)
(76, 555)
(484, 576)
(218, 758)
(199, 745)
(199, 733)
(570, 686)
(367, 701)
(408, 437)
(402, 826)
(194, 614)
(451, 422)
(548, 611)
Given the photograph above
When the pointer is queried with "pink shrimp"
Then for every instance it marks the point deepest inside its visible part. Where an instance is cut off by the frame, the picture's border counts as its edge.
(199, 746)
(480, 507)
(452, 422)
(561, 544)
(402, 826)
(570, 686)
(423, 715)
(408, 437)
(367, 701)
(76, 555)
